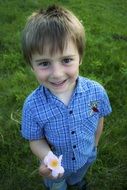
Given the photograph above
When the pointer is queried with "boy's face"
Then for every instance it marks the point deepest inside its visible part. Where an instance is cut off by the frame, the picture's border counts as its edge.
(58, 72)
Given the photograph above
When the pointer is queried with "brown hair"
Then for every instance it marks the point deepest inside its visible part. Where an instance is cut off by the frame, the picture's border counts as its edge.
(54, 26)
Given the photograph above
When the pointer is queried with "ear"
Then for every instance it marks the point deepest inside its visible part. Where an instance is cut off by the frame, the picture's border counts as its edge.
(32, 69)
(80, 61)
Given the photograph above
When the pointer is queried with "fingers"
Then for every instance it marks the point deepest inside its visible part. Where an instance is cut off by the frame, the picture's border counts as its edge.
(46, 172)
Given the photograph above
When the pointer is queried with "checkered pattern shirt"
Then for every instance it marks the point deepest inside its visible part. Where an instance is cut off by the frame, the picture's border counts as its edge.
(69, 130)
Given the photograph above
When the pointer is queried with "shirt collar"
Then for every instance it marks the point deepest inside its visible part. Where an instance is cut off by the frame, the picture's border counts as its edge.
(81, 87)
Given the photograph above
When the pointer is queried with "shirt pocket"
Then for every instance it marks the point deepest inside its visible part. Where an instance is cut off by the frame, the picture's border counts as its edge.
(88, 128)
(89, 123)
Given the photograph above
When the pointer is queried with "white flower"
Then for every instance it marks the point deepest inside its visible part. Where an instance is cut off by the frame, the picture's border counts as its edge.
(54, 163)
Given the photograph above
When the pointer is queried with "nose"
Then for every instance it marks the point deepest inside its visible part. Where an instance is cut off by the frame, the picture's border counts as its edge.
(57, 71)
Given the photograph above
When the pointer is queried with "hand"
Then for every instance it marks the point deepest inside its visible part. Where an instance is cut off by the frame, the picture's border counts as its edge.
(46, 172)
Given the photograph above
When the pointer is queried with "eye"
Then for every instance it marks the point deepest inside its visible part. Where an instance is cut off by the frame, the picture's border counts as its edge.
(44, 64)
(67, 60)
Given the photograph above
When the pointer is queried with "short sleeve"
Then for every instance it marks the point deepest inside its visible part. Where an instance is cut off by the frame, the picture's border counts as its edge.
(105, 108)
(30, 129)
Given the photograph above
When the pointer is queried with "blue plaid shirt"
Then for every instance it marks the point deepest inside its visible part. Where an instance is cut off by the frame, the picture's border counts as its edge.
(69, 130)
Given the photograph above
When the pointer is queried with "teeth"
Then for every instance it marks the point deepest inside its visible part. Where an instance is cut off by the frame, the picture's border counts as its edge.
(58, 83)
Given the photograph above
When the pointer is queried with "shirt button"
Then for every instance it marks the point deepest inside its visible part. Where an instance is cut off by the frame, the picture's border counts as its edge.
(74, 146)
(72, 132)
(71, 111)
(73, 158)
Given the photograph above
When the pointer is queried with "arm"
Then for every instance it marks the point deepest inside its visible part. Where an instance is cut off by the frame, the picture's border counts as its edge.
(99, 131)
(40, 148)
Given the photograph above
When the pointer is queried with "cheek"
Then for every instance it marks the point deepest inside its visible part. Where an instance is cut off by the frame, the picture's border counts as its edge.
(73, 72)
(41, 75)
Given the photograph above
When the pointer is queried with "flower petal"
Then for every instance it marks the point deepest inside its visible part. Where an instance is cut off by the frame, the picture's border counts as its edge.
(54, 173)
(52, 156)
(46, 159)
(60, 159)
(54, 163)
(61, 170)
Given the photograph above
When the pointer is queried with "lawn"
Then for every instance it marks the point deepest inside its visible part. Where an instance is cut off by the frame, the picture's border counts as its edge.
(105, 60)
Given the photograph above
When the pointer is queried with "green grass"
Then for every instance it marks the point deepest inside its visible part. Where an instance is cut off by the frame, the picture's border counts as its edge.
(105, 60)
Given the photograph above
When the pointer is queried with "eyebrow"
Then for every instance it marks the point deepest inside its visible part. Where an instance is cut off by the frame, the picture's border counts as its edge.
(48, 59)
(45, 59)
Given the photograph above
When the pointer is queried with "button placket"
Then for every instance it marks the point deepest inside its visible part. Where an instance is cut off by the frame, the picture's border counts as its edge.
(72, 132)
(73, 143)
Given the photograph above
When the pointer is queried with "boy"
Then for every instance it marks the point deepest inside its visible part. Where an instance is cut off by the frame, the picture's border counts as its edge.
(65, 113)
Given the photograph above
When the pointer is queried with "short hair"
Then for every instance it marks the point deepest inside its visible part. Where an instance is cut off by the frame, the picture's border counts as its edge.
(55, 26)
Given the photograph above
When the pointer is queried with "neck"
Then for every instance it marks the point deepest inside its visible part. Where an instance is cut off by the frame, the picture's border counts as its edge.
(65, 97)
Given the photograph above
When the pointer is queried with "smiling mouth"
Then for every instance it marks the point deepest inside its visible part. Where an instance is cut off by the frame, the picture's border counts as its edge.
(58, 84)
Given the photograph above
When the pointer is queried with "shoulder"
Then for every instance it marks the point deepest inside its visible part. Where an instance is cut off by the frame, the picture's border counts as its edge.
(94, 92)
(35, 98)
(91, 85)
